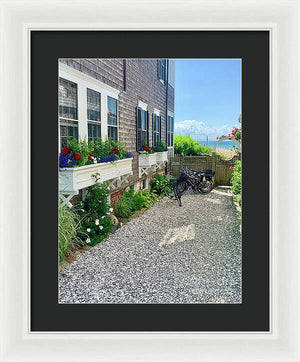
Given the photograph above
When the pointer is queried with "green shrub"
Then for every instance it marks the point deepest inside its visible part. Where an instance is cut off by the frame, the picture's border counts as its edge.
(123, 208)
(68, 226)
(159, 184)
(131, 202)
(236, 181)
(95, 212)
(189, 147)
(148, 197)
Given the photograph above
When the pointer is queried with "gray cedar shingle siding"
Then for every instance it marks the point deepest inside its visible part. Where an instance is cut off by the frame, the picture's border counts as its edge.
(142, 84)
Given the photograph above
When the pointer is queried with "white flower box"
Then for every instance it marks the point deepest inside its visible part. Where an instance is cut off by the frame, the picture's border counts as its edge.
(77, 178)
(147, 160)
(162, 156)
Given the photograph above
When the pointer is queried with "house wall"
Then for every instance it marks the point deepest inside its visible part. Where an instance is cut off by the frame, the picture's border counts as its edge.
(142, 84)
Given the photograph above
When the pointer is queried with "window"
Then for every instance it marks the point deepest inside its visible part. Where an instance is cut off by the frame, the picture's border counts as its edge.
(161, 69)
(94, 131)
(156, 126)
(93, 114)
(142, 126)
(67, 130)
(170, 131)
(112, 119)
(68, 110)
(93, 105)
(171, 72)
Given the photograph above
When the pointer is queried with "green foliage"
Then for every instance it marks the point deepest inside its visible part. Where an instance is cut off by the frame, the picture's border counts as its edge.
(123, 208)
(131, 202)
(160, 147)
(148, 197)
(236, 181)
(95, 213)
(81, 148)
(105, 148)
(189, 147)
(159, 184)
(68, 226)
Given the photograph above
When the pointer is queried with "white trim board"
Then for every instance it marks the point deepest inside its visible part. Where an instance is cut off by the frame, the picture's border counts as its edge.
(143, 106)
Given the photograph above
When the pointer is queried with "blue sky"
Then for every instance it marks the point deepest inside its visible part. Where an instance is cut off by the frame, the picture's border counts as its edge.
(207, 97)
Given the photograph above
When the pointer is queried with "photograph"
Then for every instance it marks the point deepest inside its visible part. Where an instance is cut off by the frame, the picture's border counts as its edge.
(150, 181)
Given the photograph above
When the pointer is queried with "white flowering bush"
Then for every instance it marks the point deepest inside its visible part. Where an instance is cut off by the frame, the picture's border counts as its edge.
(95, 212)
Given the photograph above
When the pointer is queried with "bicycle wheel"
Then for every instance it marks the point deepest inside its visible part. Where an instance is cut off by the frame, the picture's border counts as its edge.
(177, 196)
(170, 194)
(205, 186)
(182, 186)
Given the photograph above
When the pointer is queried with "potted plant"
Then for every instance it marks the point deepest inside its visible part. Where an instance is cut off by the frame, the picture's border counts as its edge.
(82, 165)
(162, 151)
(147, 156)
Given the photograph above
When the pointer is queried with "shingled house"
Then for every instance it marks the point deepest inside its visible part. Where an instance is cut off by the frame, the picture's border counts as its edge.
(128, 100)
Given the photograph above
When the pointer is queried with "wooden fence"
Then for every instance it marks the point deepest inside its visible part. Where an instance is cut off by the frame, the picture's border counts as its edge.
(198, 163)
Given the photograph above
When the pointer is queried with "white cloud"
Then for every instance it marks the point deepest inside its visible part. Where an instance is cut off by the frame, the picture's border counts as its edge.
(199, 129)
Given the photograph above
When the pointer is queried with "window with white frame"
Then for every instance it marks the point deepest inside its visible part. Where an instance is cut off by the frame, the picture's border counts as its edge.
(156, 128)
(170, 128)
(112, 119)
(93, 114)
(68, 110)
(142, 126)
(161, 69)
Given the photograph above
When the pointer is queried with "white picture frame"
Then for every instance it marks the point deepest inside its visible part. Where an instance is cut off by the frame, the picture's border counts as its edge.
(17, 20)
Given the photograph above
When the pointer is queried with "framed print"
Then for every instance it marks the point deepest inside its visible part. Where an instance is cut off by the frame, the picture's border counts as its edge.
(162, 273)
(36, 96)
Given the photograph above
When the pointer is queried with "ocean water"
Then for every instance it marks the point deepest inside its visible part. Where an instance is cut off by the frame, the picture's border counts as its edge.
(227, 144)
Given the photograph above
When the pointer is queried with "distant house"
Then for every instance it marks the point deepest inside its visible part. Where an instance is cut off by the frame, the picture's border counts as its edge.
(130, 100)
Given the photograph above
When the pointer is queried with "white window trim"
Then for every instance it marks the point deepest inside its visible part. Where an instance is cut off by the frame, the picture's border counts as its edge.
(83, 82)
(156, 111)
(117, 126)
(143, 106)
(171, 114)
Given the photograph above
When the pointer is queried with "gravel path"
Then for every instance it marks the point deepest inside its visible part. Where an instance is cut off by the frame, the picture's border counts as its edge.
(169, 254)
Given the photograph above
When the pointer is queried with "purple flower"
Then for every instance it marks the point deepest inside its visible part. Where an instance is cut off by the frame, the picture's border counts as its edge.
(66, 161)
(110, 158)
(129, 155)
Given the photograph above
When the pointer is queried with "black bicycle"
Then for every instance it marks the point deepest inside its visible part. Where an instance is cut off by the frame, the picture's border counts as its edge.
(173, 191)
(201, 181)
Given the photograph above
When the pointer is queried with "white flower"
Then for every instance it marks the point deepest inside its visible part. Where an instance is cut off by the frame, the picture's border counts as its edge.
(121, 223)
(88, 230)
(95, 160)
(97, 221)
(100, 227)
(103, 217)
(88, 240)
(111, 209)
(82, 210)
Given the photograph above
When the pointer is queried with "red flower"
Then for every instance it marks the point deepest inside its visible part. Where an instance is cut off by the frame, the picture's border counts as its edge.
(115, 150)
(66, 150)
(90, 158)
(77, 156)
